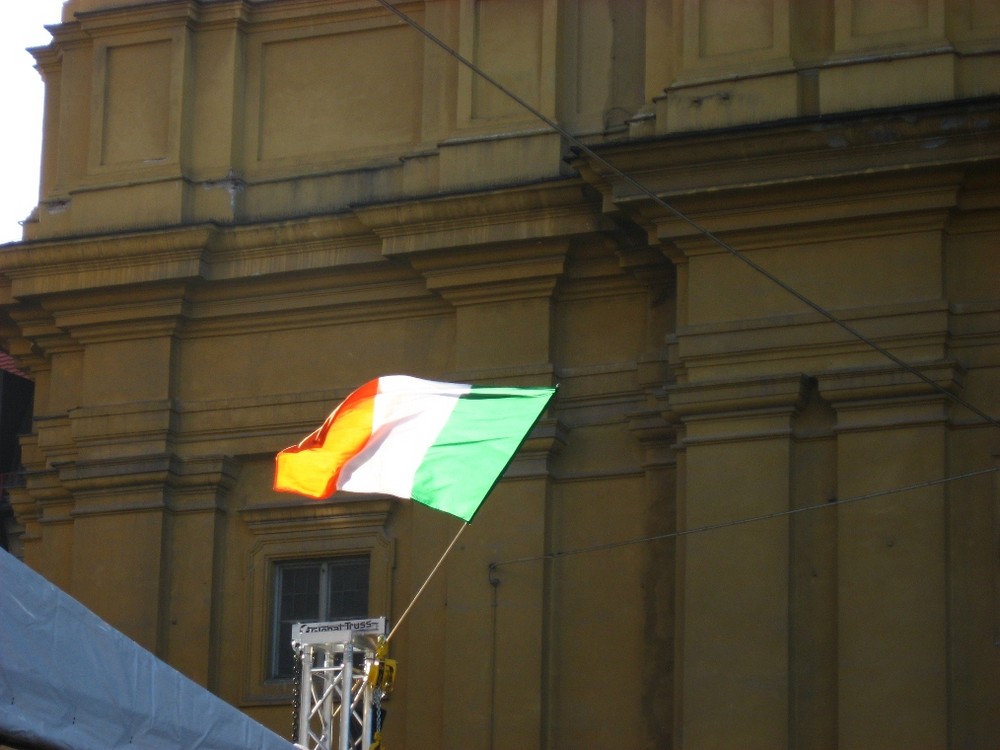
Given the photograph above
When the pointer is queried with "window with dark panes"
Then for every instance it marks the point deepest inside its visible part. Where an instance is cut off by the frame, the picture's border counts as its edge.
(314, 591)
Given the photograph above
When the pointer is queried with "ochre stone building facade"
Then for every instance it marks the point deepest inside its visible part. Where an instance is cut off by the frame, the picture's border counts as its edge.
(249, 207)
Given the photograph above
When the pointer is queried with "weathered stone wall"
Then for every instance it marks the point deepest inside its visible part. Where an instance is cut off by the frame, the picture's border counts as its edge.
(249, 208)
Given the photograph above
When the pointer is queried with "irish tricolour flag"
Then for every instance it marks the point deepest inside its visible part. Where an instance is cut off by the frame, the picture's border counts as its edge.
(442, 444)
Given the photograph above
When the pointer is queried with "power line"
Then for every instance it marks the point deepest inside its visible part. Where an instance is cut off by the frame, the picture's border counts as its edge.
(708, 234)
(834, 503)
(699, 228)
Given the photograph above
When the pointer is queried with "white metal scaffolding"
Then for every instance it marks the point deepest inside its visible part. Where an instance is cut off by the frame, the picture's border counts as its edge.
(341, 684)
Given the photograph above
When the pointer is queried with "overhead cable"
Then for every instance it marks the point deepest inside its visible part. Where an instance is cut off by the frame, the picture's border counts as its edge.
(711, 236)
(699, 228)
(833, 503)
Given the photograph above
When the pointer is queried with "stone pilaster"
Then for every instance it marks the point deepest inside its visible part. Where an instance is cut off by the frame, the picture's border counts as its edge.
(892, 559)
(733, 631)
(657, 438)
(195, 547)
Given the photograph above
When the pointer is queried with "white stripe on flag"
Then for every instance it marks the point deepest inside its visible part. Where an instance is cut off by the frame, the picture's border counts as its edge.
(409, 415)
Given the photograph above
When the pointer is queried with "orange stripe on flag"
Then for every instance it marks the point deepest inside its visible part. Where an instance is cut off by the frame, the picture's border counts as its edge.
(312, 467)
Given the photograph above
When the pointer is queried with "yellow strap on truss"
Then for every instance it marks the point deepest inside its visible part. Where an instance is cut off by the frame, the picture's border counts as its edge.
(382, 673)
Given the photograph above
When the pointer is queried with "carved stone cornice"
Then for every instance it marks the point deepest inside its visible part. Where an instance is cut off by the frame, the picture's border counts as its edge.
(546, 210)
(511, 272)
(799, 152)
(142, 312)
(738, 410)
(124, 484)
(143, 17)
(51, 444)
(731, 397)
(809, 342)
(818, 212)
(39, 337)
(890, 383)
(133, 428)
(48, 60)
(40, 486)
(657, 433)
(338, 513)
(337, 240)
(201, 483)
(290, 14)
(113, 260)
(120, 476)
(125, 260)
(164, 481)
(545, 441)
(28, 514)
(643, 261)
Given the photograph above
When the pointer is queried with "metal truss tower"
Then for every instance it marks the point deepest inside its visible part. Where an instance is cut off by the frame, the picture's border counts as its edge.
(343, 677)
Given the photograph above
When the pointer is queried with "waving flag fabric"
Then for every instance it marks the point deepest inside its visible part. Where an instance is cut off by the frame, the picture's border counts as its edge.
(442, 444)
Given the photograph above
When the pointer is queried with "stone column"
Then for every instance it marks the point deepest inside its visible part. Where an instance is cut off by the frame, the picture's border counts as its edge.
(496, 260)
(733, 631)
(892, 557)
(502, 333)
(195, 551)
(657, 438)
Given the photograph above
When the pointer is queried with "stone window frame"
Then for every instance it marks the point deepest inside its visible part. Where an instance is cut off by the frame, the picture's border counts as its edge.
(304, 531)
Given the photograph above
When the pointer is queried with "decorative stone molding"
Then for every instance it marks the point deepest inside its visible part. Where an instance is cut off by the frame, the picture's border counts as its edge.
(890, 383)
(657, 436)
(109, 261)
(298, 515)
(549, 210)
(532, 461)
(732, 397)
(299, 529)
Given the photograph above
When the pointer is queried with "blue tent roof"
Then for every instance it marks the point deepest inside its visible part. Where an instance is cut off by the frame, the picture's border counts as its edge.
(70, 680)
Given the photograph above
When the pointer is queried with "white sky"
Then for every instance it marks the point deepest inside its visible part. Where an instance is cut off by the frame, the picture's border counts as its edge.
(21, 87)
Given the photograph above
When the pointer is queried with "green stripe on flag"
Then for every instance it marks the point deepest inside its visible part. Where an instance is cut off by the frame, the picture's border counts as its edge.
(474, 447)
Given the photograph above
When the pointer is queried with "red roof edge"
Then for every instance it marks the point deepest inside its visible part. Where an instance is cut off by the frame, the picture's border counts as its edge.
(9, 364)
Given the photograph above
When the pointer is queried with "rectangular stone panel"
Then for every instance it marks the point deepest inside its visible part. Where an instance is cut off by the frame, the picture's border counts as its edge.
(737, 35)
(727, 26)
(878, 17)
(874, 24)
(974, 28)
(893, 581)
(508, 46)
(330, 95)
(733, 587)
(136, 103)
(984, 13)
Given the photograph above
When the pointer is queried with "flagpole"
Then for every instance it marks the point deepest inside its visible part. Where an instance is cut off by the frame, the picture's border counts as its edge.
(424, 584)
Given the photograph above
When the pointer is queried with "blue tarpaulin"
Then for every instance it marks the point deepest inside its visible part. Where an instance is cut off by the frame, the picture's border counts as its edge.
(69, 680)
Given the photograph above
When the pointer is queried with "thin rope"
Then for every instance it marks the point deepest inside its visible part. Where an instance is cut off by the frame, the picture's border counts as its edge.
(423, 586)
(741, 521)
(677, 213)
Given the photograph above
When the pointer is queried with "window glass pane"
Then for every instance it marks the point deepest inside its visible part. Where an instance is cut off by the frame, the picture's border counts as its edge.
(347, 588)
(297, 599)
(299, 592)
(307, 591)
